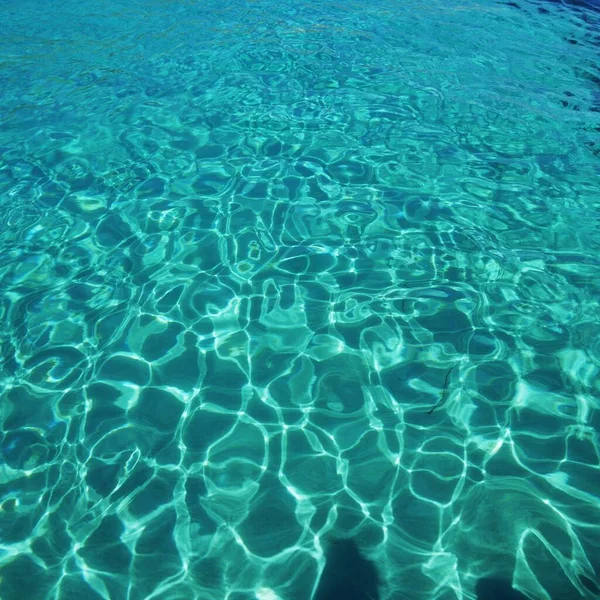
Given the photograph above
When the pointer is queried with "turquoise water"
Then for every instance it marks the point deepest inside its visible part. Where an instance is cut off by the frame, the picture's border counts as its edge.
(278, 272)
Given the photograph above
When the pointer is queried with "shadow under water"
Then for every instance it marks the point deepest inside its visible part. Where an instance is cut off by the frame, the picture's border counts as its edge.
(348, 575)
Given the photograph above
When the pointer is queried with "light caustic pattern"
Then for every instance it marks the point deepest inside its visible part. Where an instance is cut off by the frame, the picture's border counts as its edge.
(275, 273)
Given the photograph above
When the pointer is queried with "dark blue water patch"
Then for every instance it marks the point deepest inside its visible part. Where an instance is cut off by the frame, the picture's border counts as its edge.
(103, 477)
(157, 409)
(204, 429)
(490, 588)
(588, 12)
(138, 477)
(348, 575)
(23, 449)
(590, 585)
(25, 578)
(55, 544)
(104, 550)
(156, 555)
(272, 528)
(579, 6)
(495, 380)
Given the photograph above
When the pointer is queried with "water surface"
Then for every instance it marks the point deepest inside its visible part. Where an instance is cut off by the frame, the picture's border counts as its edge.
(274, 272)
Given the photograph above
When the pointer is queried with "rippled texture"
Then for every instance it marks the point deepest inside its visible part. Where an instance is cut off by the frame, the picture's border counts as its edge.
(274, 272)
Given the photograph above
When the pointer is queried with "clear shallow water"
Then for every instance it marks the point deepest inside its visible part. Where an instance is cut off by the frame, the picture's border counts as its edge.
(273, 273)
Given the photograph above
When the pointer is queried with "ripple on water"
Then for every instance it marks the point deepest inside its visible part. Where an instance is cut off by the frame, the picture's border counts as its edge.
(299, 272)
